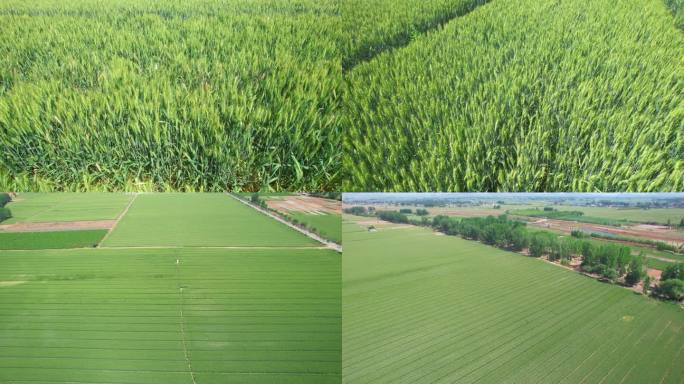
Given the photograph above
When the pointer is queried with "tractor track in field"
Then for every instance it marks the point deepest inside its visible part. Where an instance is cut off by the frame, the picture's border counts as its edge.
(405, 40)
(182, 322)
(328, 244)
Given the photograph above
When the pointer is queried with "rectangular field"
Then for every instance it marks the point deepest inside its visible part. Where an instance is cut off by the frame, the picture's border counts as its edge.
(328, 225)
(51, 240)
(50, 207)
(423, 308)
(170, 316)
(199, 220)
(652, 215)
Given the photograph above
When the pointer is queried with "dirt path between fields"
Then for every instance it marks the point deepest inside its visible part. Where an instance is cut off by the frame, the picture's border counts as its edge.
(652, 232)
(328, 244)
(118, 219)
(58, 226)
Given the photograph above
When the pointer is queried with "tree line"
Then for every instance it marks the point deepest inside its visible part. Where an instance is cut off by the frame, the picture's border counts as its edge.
(611, 262)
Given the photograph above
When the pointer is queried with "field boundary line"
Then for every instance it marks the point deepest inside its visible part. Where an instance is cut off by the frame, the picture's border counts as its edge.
(328, 244)
(118, 219)
(165, 247)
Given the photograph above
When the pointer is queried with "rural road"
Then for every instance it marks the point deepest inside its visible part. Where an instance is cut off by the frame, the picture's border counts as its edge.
(328, 244)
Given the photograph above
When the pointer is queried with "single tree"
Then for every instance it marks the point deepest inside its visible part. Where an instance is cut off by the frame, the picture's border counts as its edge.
(647, 284)
(636, 271)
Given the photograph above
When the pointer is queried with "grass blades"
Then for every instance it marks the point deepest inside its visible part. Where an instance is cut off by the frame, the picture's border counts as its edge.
(51, 240)
(524, 95)
(196, 96)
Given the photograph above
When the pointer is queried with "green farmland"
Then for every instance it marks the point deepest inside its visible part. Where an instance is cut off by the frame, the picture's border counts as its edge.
(199, 220)
(47, 207)
(533, 95)
(425, 308)
(326, 224)
(372, 27)
(212, 300)
(51, 240)
(193, 95)
(651, 215)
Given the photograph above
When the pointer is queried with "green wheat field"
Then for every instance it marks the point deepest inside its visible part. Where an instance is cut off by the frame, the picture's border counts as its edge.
(166, 303)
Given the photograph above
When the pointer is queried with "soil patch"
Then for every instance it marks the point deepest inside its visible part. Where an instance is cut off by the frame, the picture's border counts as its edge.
(57, 226)
(653, 232)
(654, 273)
(305, 204)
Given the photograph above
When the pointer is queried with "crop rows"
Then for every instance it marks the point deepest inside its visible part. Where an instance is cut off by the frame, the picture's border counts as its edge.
(199, 220)
(124, 316)
(464, 312)
(372, 27)
(201, 95)
(524, 95)
(51, 240)
(53, 207)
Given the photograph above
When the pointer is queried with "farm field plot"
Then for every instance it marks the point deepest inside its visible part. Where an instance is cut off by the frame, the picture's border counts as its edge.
(323, 215)
(327, 224)
(424, 308)
(527, 95)
(199, 220)
(51, 240)
(195, 95)
(170, 316)
(54, 207)
(651, 215)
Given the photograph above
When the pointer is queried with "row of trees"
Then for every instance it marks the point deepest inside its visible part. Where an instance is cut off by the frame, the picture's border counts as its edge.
(659, 245)
(497, 231)
(256, 200)
(358, 211)
(328, 195)
(419, 211)
(393, 216)
(610, 261)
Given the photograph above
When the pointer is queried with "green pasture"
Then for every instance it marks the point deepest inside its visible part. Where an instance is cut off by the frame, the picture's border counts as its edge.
(197, 220)
(46, 207)
(145, 316)
(326, 224)
(51, 240)
(422, 308)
